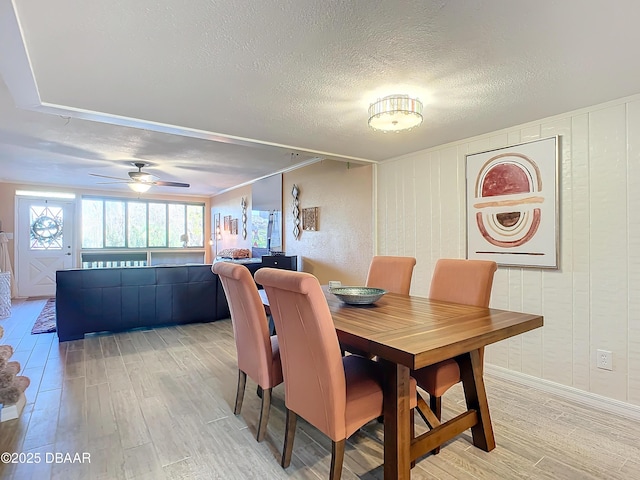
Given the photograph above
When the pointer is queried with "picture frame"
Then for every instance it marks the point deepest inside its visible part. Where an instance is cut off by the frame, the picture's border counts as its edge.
(234, 226)
(512, 204)
(310, 219)
(227, 222)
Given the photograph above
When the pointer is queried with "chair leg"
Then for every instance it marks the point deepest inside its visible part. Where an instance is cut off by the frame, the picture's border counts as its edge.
(436, 406)
(242, 381)
(289, 436)
(264, 414)
(337, 458)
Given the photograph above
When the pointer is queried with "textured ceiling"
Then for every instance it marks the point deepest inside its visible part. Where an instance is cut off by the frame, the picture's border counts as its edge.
(218, 93)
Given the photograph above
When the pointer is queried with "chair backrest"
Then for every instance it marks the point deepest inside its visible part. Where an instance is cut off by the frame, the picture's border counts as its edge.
(314, 378)
(463, 281)
(249, 320)
(391, 273)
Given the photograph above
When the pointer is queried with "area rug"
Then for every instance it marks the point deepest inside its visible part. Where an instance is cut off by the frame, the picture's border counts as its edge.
(46, 321)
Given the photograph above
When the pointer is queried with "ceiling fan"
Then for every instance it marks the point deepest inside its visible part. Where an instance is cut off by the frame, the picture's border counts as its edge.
(140, 181)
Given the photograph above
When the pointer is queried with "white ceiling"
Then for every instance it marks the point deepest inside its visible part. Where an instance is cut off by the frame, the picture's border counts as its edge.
(219, 93)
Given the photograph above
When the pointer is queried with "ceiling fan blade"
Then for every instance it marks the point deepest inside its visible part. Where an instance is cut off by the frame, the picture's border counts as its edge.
(111, 183)
(141, 177)
(107, 176)
(160, 183)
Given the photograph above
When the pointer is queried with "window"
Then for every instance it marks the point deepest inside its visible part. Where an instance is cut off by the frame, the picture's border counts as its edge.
(118, 223)
(46, 227)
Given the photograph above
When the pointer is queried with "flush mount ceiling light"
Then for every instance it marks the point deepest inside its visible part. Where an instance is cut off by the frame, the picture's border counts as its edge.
(395, 113)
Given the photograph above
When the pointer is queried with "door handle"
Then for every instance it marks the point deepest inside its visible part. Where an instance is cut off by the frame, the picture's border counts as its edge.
(67, 253)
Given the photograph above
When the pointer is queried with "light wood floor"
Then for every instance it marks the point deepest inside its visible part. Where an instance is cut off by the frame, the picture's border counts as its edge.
(157, 404)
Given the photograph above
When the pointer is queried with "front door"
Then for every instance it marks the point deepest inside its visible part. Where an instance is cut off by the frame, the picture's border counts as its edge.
(44, 242)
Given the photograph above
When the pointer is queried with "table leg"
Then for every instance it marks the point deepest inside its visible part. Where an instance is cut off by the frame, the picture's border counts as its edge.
(397, 413)
(476, 397)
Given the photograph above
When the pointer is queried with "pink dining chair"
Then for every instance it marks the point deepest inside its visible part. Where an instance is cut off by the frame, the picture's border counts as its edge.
(335, 394)
(258, 352)
(467, 282)
(390, 273)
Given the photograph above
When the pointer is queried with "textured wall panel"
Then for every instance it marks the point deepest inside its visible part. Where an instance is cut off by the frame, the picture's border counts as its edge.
(498, 353)
(422, 270)
(578, 217)
(608, 253)
(408, 220)
(557, 296)
(532, 303)
(633, 202)
(515, 303)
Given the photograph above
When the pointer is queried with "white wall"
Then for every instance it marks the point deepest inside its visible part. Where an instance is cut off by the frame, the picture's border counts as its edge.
(593, 300)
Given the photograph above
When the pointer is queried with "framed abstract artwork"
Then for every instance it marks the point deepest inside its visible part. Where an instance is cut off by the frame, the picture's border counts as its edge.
(512, 204)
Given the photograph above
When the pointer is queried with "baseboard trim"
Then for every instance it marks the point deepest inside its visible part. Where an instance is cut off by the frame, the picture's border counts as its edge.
(570, 393)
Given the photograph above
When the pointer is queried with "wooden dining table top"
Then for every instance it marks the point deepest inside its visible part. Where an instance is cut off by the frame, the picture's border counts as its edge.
(416, 331)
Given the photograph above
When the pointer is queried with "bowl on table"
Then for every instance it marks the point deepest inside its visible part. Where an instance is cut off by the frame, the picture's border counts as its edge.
(358, 295)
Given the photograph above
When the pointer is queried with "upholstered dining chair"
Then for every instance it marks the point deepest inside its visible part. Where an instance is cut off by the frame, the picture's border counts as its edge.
(258, 352)
(335, 394)
(391, 273)
(467, 282)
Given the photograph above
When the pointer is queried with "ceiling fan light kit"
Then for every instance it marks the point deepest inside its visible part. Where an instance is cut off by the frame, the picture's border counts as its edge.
(395, 113)
(139, 187)
(141, 177)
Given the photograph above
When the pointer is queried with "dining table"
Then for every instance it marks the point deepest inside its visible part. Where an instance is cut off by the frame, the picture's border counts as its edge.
(408, 332)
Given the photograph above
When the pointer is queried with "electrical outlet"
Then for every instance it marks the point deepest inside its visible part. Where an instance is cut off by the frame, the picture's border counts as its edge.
(604, 359)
